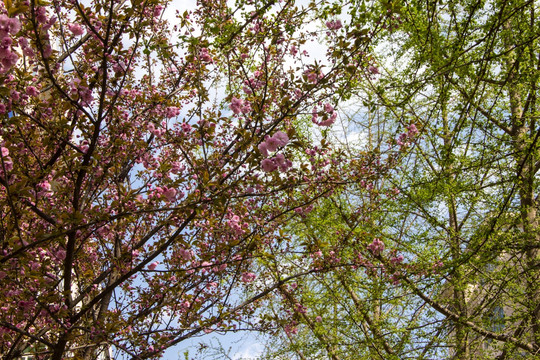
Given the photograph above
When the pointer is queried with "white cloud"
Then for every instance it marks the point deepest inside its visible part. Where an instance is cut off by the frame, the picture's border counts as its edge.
(250, 352)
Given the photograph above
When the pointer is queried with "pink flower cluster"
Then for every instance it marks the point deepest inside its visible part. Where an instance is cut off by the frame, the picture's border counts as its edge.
(177, 167)
(313, 76)
(396, 260)
(75, 29)
(291, 328)
(334, 24)
(304, 210)
(167, 194)
(271, 144)
(254, 83)
(41, 15)
(156, 131)
(234, 224)
(239, 106)
(83, 91)
(278, 161)
(119, 67)
(8, 26)
(403, 139)
(172, 111)
(45, 189)
(373, 70)
(157, 10)
(248, 277)
(205, 56)
(32, 91)
(185, 255)
(412, 131)
(7, 162)
(330, 115)
(376, 247)
(27, 50)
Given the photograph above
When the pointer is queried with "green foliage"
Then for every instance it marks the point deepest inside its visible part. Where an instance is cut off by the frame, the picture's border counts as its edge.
(465, 74)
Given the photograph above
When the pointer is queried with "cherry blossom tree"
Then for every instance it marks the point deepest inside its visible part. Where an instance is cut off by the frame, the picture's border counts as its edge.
(146, 163)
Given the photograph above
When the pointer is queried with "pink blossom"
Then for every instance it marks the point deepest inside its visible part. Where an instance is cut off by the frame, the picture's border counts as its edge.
(272, 144)
(311, 76)
(328, 122)
(373, 69)
(172, 111)
(157, 10)
(185, 254)
(291, 329)
(412, 130)
(246, 108)
(9, 25)
(47, 51)
(282, 163)
(15, 95)
(45, 186)
(32, 91)
(153, 265)
(8, 164)
(186, 127)
(23, 42)
(294, 50)
(263, 149)
(236, 105)
(119, 67)
(248, 277)
(5, 52)
(14, 25)
(281, 138)
(8, 58)
(6, 42)
(268, 165)
(169, 194)
(328, 108)
(376, 247)
(177, 167)
(397, 260)
(60, 254)
(41, 15)
(334, 24)
(204, 55)
(5, 151)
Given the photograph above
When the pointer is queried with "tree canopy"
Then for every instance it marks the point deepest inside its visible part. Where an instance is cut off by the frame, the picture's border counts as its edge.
(166, 174)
